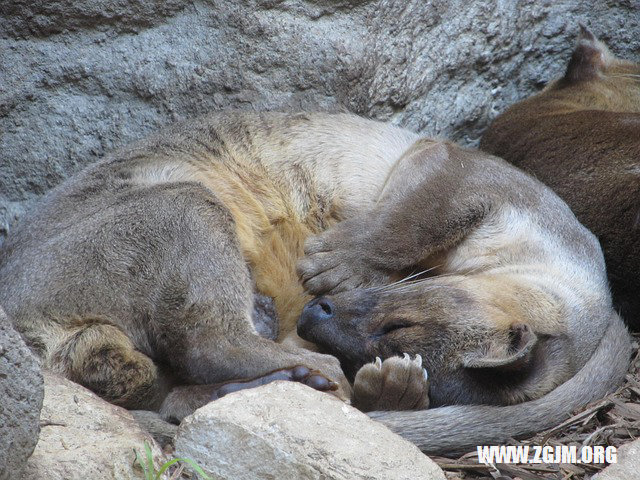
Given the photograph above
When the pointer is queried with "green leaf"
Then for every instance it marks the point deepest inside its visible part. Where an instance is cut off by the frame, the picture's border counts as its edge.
(147, 449)
(143, 465)
(196, 467)
(150, 472)
(164, 467)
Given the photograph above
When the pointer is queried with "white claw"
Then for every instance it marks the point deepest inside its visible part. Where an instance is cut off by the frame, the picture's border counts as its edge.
(407, 357)
(378, 363)
(418, 360)
(425, 375)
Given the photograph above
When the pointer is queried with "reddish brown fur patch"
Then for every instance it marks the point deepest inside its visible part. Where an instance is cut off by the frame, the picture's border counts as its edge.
(581, 136)
(270, 234)
(585, 64)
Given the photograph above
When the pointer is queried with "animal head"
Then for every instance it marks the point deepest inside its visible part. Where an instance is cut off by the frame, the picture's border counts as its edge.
(469, 357)
(596, 79)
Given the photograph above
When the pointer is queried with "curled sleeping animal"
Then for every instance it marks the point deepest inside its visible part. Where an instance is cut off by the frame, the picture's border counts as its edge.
(141, 277)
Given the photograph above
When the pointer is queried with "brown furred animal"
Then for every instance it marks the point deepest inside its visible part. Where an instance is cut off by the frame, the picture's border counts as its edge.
(581, 136)
(139, 275)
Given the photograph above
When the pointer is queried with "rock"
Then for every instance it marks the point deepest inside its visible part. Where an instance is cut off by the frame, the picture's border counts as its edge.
(79, 77)
(627, 466)
(286, 430)
(21, 392)
(85, 437)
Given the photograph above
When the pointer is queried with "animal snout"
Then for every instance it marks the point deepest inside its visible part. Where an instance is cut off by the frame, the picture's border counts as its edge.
(319, 309)
(315, 315)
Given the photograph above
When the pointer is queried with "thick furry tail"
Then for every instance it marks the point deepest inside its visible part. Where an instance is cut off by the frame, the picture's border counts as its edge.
(458, 429)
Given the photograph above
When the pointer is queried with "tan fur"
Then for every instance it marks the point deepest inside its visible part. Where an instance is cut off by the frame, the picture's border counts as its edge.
(141, 273)
(267, 227)
(270, 235)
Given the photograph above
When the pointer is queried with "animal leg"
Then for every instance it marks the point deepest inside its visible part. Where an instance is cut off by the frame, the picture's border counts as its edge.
(425, 208)
(183, 401)
(201, 325)
(102, 358)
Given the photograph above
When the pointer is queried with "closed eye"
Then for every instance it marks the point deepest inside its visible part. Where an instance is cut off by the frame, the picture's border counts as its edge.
(393, 326)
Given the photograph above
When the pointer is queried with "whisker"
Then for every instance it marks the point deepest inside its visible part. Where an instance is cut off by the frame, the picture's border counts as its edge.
(461, 273)
(409, 286)
(462, 277)
(398, 282)
(406, 283)
(403, 280)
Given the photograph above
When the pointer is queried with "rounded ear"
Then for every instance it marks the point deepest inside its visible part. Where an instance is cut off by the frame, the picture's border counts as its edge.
(515, 357)
(589, 57)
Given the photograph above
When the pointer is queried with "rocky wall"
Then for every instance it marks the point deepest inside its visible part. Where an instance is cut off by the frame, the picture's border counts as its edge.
(80, 77)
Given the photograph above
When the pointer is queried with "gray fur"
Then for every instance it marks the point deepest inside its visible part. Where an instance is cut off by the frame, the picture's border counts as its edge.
(457, 429)
(139, 275)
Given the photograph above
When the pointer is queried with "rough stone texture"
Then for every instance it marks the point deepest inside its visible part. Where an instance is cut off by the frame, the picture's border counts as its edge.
(85, 437)
(628, 465)
(286, 430)
(79, 77)
(21, 393)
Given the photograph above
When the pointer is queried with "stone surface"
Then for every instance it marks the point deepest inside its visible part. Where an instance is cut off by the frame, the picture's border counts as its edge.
(286, 430)
(21, 392)
(79, 77)
(628, 465)
(85, 437)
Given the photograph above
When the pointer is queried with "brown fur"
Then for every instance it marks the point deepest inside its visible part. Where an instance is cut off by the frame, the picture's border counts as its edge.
(581, 136)
(498, 266)
(140, 274)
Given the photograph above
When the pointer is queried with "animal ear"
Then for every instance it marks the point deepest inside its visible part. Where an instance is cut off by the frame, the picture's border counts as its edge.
(515, 356)
(586, 34)
(589, 57)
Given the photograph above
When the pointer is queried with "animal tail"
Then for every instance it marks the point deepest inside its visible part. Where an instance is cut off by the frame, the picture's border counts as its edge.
(458, 429)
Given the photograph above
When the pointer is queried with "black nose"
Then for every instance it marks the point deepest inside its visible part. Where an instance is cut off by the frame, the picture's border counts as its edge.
(316, 312)
(320, 309)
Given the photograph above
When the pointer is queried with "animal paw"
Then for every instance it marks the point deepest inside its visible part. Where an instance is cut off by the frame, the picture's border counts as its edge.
(398, 383)
(337, 260)
(299, 373)
(183, 401)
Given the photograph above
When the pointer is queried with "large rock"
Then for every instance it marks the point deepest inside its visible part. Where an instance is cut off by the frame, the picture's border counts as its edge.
(85, 437)
(627, 466)
(21, 393)
(287, 431)
(79, 77)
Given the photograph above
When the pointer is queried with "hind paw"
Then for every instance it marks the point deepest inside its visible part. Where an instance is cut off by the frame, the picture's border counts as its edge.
(299, 373)
(398, 383)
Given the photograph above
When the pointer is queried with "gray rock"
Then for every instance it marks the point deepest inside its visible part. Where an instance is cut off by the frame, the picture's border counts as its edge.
(21, 393)
(286, 430)
(80, 77)
(85, 437)
(627, 466)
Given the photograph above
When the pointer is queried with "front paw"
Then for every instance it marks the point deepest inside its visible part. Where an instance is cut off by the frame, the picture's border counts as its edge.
(337, 260)
(398, 383)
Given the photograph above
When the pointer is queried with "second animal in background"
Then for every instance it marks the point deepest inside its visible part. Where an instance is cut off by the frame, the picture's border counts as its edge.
(581, 136)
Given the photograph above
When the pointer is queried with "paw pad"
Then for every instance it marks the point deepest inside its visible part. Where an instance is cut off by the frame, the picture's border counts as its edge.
(397, 383)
